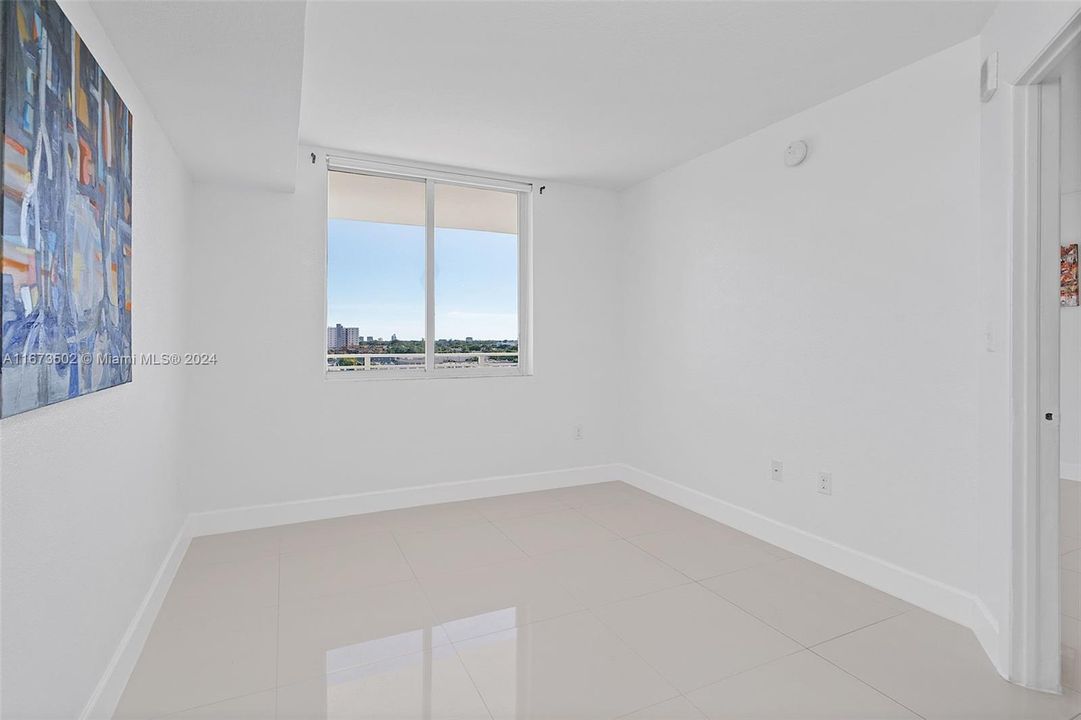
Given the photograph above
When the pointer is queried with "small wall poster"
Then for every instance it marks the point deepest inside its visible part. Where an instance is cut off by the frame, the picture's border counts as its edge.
(1068, 276)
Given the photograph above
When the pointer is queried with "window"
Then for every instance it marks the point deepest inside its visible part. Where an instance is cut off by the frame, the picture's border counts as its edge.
(427, 273)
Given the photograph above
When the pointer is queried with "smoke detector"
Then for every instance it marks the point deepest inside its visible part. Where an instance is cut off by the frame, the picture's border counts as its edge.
(795, 153)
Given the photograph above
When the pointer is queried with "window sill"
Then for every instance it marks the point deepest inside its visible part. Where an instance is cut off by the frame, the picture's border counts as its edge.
(379, 375)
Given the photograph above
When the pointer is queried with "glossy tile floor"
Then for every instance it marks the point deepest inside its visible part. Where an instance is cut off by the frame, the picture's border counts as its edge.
(591, 602)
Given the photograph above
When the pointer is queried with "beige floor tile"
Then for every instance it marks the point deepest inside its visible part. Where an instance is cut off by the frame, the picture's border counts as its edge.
(333, 531)
(259, 706)
(797, 687)
(1071, 669)
(805, 601)
(505, 507)
(454, 549)
(230, 547)
(1070, 593)
(679, 708)
(1071, 653)
(1070, 507)
(431, 517)
(640, 515)
(496, 597)
(692, 637)
(938, 670)
(336, 632)
(605, 572)
(567, 667)
(190, 662)
(708, 549)
(1070, 548)
(429, 685)
(342, 568)
(551, 531)
(582, 496)
(222, 586)
(333, 613)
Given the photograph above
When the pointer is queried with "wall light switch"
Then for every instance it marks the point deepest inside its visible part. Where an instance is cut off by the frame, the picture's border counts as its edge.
(825, 483)
(776, 470)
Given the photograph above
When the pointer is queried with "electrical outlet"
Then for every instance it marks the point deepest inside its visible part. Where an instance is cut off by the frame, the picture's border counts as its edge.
(578, 433)
(825, 483)
(776, 470)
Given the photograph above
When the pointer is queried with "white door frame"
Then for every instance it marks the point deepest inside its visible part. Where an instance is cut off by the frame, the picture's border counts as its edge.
(1034, 627)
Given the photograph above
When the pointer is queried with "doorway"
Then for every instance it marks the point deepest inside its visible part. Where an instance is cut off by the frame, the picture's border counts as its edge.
(1046, 615)
(1066, 83)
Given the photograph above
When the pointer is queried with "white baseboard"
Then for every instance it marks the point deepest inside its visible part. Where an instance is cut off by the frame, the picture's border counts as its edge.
(932, 595)
(1070, 471)
(257, 516)
(994, 642)
(924, 592)
(103, 701)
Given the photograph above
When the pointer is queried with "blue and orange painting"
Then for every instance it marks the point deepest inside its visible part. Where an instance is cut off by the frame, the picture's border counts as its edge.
(66, 214)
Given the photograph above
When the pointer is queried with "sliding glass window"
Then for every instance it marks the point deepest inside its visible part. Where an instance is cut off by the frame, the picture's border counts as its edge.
(426, 276)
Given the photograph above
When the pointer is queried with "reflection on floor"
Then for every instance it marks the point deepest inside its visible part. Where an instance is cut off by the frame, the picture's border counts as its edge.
(591, 602)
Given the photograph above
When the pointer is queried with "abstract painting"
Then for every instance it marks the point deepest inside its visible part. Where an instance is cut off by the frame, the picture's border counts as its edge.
(1068, 276)
(66, 214)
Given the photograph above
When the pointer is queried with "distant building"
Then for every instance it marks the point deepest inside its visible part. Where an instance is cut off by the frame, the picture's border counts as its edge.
(339, 338)
(469, 339)
(335, 337)
(369, 338)
(393, 337)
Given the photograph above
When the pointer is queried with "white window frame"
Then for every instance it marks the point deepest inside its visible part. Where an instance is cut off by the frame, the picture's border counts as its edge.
(430, 176)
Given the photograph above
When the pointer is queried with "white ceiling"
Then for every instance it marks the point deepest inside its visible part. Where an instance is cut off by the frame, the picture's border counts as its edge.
(223, 78)
(599, 93)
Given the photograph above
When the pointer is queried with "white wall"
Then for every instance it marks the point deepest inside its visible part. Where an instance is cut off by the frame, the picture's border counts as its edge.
(270, 427)
(90, 492)
(1070, 231)
(824, 315)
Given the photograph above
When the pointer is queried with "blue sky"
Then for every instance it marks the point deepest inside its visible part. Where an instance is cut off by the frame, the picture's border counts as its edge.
(375, 281)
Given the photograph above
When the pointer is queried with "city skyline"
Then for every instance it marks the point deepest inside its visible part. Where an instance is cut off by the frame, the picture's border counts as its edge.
(339, 336)
(375, 281)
